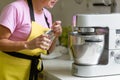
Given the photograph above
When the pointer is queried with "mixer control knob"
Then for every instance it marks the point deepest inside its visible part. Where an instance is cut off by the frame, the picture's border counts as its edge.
(112, 53)
(118, 42)
(117, 58)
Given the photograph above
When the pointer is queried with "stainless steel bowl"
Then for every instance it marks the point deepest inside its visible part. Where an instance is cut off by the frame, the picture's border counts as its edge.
(86, 49)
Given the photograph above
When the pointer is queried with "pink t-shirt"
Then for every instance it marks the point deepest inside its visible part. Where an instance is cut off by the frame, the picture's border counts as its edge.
(16, 18)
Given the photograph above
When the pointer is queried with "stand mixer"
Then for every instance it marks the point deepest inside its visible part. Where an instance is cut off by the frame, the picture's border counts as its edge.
(95, 45)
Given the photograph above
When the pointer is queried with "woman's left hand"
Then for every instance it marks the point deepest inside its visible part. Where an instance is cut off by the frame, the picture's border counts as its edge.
(56, 27)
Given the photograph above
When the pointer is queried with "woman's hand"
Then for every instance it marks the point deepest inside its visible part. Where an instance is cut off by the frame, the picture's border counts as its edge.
(43, 42)
(56, 27)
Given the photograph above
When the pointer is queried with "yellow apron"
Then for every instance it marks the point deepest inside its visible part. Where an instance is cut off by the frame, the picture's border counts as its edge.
(13, 68)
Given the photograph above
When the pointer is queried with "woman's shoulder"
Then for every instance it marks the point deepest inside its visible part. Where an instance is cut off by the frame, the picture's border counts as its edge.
(18, 7)
(15, 7)
(18, 4)
(47, 12)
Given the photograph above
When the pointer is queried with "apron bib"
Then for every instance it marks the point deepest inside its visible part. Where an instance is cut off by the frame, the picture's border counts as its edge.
(37, 30)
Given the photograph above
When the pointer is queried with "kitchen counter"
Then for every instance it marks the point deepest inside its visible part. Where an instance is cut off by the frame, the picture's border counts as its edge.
(60, 69)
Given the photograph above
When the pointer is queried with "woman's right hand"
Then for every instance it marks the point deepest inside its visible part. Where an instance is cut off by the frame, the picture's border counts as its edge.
(42, 41)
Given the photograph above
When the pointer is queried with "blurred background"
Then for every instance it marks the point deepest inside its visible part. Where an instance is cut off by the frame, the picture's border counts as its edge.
(65, 9)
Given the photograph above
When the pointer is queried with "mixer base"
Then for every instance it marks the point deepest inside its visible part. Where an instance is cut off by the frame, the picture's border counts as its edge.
(95, 70)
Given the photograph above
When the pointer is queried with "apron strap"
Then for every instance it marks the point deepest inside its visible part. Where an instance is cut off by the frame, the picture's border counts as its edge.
(31, 10)
(34, 63)
(46, 19)
(32, 13)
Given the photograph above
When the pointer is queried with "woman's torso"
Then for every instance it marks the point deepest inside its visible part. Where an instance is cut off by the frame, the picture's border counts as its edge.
(16, 18)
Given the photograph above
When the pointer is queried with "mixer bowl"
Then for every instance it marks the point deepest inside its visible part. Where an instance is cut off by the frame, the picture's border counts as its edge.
(86, 49)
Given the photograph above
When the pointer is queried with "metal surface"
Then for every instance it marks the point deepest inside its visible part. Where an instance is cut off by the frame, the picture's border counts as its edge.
(86, 49)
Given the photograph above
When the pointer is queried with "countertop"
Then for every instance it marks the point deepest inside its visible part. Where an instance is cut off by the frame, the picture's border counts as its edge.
(60, 69)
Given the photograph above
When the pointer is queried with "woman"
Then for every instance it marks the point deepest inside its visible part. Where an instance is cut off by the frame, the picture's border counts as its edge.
(23, 27)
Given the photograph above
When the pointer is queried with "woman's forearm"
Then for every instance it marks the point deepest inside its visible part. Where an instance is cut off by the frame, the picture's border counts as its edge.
(8, 45)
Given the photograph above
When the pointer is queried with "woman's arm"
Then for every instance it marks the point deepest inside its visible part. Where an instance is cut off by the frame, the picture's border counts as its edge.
(9, 45)
(41, 41)
(57, 32)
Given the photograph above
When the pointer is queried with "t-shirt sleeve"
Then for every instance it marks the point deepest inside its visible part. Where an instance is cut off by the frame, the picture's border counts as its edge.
(8, 17)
